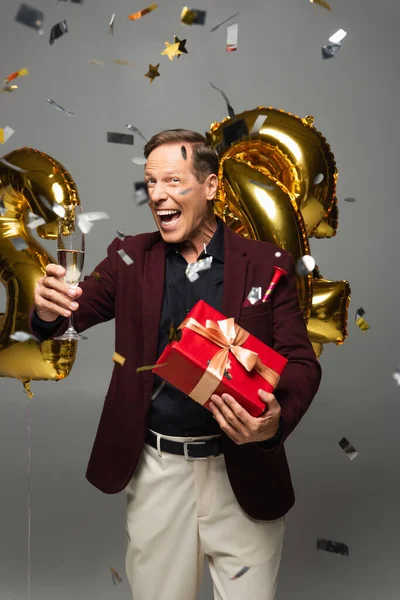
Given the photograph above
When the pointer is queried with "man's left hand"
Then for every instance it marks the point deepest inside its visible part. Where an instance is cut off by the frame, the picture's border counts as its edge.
(241, 427)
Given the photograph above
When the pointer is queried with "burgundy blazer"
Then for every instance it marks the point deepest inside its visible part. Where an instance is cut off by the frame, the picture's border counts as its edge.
(133, 295)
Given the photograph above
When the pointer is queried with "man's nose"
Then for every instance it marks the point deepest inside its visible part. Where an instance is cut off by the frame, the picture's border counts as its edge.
(159, 193)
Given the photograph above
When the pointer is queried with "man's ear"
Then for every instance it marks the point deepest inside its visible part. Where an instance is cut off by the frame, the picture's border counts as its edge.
(212, 186)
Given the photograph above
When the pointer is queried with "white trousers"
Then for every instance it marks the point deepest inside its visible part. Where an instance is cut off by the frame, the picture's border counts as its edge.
(180, 512)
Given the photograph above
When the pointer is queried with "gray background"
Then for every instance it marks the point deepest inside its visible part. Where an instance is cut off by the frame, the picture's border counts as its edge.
(77, 532)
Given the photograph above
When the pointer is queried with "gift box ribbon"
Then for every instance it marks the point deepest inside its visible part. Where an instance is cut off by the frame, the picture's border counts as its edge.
(230, 338)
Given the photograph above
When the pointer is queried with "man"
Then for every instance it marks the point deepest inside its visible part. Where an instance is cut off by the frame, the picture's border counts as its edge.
(198, 483)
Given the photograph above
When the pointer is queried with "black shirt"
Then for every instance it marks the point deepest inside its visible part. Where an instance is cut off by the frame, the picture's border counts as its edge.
(174, 413)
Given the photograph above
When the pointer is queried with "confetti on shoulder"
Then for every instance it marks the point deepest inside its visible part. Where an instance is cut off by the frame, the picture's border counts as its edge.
(125, 257)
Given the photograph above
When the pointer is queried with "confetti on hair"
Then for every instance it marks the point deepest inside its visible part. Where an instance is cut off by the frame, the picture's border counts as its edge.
(348, 448)
(118, 358)
(141, 13)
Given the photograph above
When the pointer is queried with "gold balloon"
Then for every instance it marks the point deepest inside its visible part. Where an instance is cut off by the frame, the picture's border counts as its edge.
(277, 183)
(36, 184)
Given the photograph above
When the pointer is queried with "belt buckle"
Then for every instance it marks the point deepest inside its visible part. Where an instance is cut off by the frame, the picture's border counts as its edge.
(186, 451)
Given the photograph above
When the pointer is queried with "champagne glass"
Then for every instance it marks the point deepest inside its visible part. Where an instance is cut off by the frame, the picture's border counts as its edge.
(71, 254)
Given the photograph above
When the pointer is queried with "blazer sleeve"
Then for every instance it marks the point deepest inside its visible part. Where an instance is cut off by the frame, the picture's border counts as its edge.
(301, 377)
(96, 304)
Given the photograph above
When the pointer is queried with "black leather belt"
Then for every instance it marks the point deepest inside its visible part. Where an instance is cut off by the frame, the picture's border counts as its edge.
(190, 450)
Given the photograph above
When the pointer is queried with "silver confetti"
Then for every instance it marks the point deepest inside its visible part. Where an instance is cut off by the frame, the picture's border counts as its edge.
(258, 123)
(331, 546)
(318, 178)
(136, 130)
(305, 265)
(35, 221)
(11, 166)
(141, 194)
(192, 270)
(125, 257)
(278, 254)
(158, 390)
(350, 200)
(59, 107)
(254, 295)
(231, 112)
(348, 448)
(218, 25)
(330, 50)
(267, 186)
(85, 220)
(121, 235)
(242, 571)
(396, 375)
(111, 25)
(19, 243)
(22, 336)
(8, 132)
(139, 160)
(338, 36)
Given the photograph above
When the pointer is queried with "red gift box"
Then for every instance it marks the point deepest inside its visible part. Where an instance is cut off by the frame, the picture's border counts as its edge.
(214, 355)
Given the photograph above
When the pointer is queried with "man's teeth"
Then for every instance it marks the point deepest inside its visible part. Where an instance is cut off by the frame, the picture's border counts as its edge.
(161, 213)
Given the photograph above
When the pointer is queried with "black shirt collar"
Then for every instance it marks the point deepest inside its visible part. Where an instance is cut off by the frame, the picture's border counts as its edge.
(215, 246)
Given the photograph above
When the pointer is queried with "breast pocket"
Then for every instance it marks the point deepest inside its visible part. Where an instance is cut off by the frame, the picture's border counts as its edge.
(258, 320)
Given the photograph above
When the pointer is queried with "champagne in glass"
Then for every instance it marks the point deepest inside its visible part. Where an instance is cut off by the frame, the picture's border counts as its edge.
(71, 254)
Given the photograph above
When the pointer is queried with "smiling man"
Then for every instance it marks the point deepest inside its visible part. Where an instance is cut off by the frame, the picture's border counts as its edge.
(199, 484)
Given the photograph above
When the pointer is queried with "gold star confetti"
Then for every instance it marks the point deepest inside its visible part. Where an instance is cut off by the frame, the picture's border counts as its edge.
(171, 50)
(138, 15)
(321, 3)
(182, 45)
(20, 73)
(117, 358)
(152, 73)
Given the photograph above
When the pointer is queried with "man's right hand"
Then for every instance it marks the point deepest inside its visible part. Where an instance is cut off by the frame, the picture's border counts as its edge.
(54, 297)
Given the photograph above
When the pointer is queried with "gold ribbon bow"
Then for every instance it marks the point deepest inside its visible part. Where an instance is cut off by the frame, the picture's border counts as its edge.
(230, 338)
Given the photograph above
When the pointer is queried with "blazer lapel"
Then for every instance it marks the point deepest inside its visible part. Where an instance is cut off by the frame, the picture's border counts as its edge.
(235, 273)
(153, 292)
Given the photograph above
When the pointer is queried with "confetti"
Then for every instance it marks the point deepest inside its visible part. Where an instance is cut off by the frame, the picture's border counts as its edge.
(125, 257)
(31, 17)
(123, 63)
(235, 132)
(192, 270)
(58, 30)
(171, 50)
(19, 243)
(330, 546)
(258, 123)
(117, 358)
(99, 63)
(9, 88)
(396, 375)
(321, 3)
(348, 448)
(58, 209)
(119, 138)
(141, 194)
(97, 276)
(158, 390)
(338, 36)
(35, 221)
(173, 334)
(21, 73)
(184, 153)
(218, 25)
(254, 295)
(184, 192)
(111, 25)
(182, 45)
(350, 200)
(139, 160)
(330, 50)
(242, 571)
(150, 367)
(278, 254)
(3, 209)
(360, 321)
(231, 112)
(115, 577)
(232, 37)
(121, 235)
(59, 107)
(85, 220)
(5, 134)
(22, 336)
(136, 130)
(305, 265)
(318, 178)
(193, 16)
(152, 73)
(138, 15)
